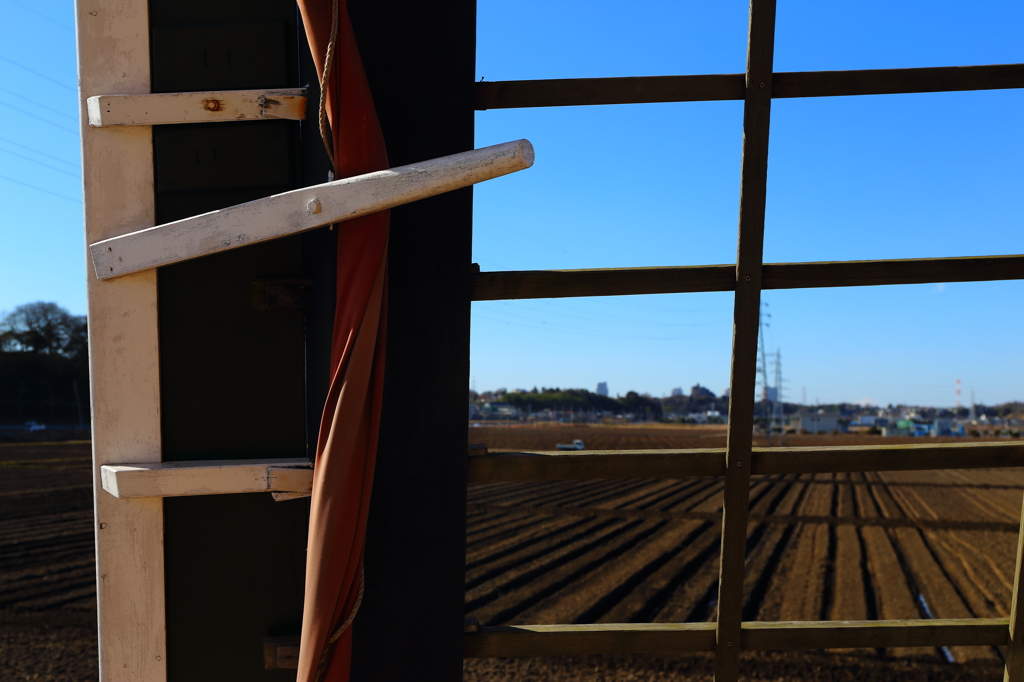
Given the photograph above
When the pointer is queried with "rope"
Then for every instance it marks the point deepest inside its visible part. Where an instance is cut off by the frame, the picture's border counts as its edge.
(321, 668)
(328, 63)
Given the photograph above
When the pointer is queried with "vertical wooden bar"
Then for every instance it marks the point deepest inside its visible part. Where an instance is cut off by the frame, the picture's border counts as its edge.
(747, 304)
(1014, 671)
(117, 173)
(420, 62)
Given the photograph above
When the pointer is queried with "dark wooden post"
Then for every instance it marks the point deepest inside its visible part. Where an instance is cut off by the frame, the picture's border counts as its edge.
(420, 60)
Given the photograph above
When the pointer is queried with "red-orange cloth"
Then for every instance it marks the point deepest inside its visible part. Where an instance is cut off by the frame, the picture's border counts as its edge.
(347, 445)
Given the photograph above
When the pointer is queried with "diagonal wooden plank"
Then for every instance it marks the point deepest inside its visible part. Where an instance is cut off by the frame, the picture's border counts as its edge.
(1014, 671)
(746, 311)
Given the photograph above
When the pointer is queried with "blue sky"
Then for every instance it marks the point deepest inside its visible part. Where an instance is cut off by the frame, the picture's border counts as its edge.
(849, 178)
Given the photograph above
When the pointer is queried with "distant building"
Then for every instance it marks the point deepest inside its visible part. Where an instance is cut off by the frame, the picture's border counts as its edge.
(602, 388)
(818, 422)
(677, 392)
(699, 391)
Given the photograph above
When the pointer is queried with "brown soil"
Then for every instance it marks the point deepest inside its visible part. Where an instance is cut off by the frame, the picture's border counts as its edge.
(47, 567)
(895, 545)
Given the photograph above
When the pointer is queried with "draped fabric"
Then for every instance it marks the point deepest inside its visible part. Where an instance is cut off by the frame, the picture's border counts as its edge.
(347, 444)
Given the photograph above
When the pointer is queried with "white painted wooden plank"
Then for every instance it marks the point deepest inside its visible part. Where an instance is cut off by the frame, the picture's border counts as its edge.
(304, 209)
(196, 107)
(117, 175)
(212, 477)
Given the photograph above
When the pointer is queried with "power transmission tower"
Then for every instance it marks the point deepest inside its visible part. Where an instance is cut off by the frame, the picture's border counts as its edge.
(766, 395)
(778, 422)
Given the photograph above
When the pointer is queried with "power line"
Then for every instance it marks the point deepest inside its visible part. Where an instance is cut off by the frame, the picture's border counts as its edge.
(40, 189)
(42, 120)
(39, 104)
(36, 151)
(38, 13)
(41, 163)
(36, 73)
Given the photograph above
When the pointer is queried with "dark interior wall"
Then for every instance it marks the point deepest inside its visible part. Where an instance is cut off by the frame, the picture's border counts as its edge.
(233, 378)
(420, 60)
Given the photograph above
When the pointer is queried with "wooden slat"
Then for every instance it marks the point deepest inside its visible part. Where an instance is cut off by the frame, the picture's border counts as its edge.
(886, 272)
(207, 477)
(746, 322)
(897, 81)
(887, 458)
(873, 634)
(622, 464)
(589, 91)
(568, 465)
(196, 107)
(663, 638)
(303, 209)
(718, 87)
(281, 653)
(610, 638)
(1014, 671)
(528, 284)
(522, 284)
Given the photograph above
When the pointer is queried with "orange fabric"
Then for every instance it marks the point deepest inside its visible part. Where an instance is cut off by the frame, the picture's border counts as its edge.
(347, 445)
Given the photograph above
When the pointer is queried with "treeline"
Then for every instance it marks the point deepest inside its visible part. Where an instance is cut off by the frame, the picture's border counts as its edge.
(44, 366)
(582, 400)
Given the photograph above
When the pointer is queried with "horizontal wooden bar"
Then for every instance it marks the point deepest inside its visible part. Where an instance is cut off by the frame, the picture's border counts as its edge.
(281, 653)
(897, 81)
(603, 638)
(529, 284)
(859, 458)
(591, 91)
(719, 87)
(570, 465)
(866, 273)
(196, 107)
(303, 209)
(658, 638)
(563, 465)
(874, 634)
(211, 477)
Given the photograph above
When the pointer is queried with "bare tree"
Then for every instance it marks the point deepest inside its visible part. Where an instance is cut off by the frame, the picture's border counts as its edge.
(43, 328)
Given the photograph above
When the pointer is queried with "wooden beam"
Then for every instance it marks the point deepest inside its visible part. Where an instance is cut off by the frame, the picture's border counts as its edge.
(597, 464)
(196, 107)
(590, 91)
(887, 458)
(661, 638)
(592, 464)
(898, 81)
(304, 209)
(746, 322)
(718, 87)
(873, 634)
(528, 284)
(124, 366)
(207, 477)
(603, 638)
(1014, 670)
(281, 653)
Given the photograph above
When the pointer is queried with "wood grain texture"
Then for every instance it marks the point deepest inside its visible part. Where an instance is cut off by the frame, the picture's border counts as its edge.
(196, 107)
(717, 87)
(303, 209)
(603, 638)
(526, 284)
(887, 458)
(873, 634)
(207, 477)
(117, 174)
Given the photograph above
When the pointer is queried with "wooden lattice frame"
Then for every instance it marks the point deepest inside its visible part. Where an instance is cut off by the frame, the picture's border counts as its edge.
(729, 635)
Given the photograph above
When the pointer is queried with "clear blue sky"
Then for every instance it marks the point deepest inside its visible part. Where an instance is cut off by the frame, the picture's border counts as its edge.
(849, 178)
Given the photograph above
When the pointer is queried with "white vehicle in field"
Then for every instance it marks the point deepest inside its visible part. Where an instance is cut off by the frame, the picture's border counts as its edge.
(576, 445)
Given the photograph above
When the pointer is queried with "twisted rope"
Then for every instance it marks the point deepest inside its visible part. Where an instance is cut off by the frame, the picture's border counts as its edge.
(321, 668)
(328, 63)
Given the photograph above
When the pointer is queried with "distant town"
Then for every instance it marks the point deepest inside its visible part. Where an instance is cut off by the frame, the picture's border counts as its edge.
(700, 405)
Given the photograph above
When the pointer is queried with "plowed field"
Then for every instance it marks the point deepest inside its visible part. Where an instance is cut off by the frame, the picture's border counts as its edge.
(820, 547)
